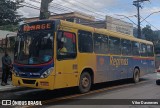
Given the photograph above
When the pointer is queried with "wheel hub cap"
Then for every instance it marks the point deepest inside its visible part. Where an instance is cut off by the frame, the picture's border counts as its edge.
(85, 82)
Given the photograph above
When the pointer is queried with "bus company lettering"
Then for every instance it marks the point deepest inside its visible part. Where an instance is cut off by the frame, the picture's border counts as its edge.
(36, 27)
(118, 61)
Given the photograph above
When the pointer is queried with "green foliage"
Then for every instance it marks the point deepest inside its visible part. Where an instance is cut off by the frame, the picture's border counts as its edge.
(12, 28)
(157, 48)
(8, 14)
(150, 35)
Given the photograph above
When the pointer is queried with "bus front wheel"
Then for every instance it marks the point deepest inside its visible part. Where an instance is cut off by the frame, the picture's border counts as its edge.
(85, 82)
(136, 75)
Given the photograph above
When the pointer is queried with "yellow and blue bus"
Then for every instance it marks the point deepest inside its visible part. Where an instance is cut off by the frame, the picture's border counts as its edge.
(54, 54)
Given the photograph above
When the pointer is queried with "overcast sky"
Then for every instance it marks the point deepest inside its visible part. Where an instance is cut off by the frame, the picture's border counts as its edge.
(100, 8)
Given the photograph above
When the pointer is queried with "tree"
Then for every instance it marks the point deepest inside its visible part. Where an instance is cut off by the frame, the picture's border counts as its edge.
(149, 34)
(8, 13)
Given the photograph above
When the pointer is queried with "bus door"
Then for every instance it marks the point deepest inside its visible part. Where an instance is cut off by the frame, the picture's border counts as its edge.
(66, 60)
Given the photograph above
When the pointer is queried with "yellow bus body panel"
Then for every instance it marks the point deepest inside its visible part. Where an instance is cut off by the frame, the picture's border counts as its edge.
(66, 70)
(49, 79)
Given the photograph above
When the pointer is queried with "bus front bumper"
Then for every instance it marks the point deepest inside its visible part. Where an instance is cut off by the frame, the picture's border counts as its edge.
(43, 83)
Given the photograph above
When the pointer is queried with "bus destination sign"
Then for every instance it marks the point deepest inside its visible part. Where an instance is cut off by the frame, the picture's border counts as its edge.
(35, 27)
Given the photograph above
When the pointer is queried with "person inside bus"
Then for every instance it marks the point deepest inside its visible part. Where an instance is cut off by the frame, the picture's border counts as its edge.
(61, 49)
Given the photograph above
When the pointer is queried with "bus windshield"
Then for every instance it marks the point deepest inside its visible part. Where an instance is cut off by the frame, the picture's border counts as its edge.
(34, 47)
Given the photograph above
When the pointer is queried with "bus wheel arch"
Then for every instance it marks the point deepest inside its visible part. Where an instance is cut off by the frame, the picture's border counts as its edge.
(136, 74)
(86, 80)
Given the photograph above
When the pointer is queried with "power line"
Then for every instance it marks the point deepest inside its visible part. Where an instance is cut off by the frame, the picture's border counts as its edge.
(58, 8)
(83, 8)
(34, 7)
(94, 9)
(149, 23)
(72, 9)
(89, 22)
(150, 15)
(30, 7)
(62, 6)
(54, 5)
(137, 3)
(31, 4)
(127, 18)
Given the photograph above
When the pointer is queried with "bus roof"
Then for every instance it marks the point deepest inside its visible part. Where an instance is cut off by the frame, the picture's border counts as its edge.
(96, 30)
(103, 31)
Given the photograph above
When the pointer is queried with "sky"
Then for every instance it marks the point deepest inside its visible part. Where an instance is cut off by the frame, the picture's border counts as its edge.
(99, 9)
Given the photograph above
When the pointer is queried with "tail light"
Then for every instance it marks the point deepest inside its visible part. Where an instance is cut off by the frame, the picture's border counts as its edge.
(158, 70)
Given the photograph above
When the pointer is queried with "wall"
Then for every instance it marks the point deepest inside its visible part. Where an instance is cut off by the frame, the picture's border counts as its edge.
(119, 25)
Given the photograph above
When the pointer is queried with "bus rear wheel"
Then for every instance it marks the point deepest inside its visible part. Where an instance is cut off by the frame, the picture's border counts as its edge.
(85, 82)
(136, 75)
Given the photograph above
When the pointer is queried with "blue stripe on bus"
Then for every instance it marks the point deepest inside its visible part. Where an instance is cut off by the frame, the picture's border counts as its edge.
(115, 67)
(29, 74)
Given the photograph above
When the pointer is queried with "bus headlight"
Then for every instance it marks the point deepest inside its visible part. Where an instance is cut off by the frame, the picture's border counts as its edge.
(47, 73)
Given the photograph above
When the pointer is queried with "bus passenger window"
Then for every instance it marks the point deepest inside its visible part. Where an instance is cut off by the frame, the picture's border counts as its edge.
(114, 45)
(143, 50)
(85, 42)
(150, 51)
(66, 45)
(126, 47)
(100, 44)
(135, 49)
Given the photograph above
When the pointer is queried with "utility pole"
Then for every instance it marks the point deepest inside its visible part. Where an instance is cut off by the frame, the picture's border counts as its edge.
(138, 5)
(44, 13)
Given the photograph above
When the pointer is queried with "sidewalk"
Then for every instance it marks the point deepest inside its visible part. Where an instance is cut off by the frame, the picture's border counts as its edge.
(8, 87)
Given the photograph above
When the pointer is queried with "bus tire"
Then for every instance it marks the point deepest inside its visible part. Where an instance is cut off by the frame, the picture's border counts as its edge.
(158, 82)
(85, 82)
(136, 75)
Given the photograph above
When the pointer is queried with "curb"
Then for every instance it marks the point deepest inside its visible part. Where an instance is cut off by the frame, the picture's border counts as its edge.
(6, 89)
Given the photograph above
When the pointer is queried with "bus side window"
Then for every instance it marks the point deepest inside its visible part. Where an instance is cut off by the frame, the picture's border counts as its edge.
(143, 50)
(114, 45)
(135, 48)
(100, 44)
(126, 47)
(85, 42)
(150, 51)
(66, 45)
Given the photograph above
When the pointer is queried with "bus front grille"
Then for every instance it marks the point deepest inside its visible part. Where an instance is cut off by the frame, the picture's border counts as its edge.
(28, 81)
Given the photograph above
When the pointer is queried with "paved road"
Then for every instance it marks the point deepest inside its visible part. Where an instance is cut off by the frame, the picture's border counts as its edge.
(124, 89)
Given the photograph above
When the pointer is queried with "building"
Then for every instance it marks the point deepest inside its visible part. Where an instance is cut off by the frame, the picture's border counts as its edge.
(81, 18)
(113, 24)
(3, 35)
(119, 25)
(76, 17)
